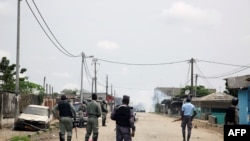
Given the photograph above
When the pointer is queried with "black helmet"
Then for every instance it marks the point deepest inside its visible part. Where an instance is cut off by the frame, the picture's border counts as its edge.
(63, 97)
(188, 99)
(235, 101)
(104, 101)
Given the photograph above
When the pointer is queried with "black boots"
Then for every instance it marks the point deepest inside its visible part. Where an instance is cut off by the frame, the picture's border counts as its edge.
(95, 137)
(69, 138)
(104, 122)
(61, 137)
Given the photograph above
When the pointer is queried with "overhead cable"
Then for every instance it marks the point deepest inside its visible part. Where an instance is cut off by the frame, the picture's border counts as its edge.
(135, 64)
(67, 53)
(203, 74)
(87, 72)
(234, 71)
(225, 74)
(223, 63)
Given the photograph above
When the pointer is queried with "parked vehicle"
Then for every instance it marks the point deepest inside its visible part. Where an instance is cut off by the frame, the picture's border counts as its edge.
(135, 115)
(76, 106)
(34, 118)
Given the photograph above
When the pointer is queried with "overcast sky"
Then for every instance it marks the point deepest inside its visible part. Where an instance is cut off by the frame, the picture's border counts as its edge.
(130, 32)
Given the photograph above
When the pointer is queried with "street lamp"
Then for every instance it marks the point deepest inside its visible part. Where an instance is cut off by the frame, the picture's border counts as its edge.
(81, 90)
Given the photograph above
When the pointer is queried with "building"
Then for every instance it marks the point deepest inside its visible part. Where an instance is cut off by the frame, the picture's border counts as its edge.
(212, 106)
(242, 84)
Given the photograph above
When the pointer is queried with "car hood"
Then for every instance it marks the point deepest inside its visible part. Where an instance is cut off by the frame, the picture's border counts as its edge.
(33, 117)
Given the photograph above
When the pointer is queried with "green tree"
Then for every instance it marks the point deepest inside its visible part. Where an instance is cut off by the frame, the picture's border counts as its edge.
(8, 74)
(201, 91)
(229, 91)
(69, 91)
(27, 87)
(8, 78)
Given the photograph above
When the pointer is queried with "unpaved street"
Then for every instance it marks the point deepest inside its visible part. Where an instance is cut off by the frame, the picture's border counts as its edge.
(149, 127)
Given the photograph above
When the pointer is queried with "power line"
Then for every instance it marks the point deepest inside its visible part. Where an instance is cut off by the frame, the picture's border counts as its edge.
(69, 54)
(234, 71)
(153, 64)
(52, 32)
(88, 75)
(224, 74)
(188, 72)
(223, 63)
(203, 74)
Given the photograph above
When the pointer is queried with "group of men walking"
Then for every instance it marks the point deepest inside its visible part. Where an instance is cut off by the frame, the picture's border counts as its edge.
(122, 114)
(124, 118)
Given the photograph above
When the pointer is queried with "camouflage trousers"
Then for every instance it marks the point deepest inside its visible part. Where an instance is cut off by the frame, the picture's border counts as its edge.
(123, 133)
(92, 126)
(66, 125)
(104, 116)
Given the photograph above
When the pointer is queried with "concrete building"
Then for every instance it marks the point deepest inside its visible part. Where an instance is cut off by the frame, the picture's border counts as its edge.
(242, 84)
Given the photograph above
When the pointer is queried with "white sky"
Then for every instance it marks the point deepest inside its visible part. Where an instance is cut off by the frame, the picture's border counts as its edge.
(129, 31)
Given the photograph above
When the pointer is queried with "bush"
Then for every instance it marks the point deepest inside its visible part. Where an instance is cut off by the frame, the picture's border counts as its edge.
(20, 138)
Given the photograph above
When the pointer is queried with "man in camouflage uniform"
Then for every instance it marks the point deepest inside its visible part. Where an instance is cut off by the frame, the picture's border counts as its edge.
(124, 117)
(82, 111)
(93, 113)
(104, 112)
(66, 113)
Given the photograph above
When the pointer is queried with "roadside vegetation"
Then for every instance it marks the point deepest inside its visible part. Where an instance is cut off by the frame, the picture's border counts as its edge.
(20, 138)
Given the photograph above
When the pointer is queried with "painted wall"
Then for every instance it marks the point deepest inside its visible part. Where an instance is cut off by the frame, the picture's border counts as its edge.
(244, 106)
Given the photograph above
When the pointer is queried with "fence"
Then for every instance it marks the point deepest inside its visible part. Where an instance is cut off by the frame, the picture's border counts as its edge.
(7, 103)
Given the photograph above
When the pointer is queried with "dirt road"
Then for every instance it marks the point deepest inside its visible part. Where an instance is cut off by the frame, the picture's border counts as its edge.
(149, 127)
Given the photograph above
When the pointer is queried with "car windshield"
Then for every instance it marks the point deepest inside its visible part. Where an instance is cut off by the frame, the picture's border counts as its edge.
(76, 106)
(36, 111)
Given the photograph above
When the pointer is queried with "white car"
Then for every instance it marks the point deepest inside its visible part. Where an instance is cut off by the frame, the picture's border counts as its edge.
(34, 118)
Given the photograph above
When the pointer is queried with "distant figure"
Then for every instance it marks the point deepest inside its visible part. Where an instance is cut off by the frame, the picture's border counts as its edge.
(104, 112)
(232, 113)
(82, 112)
(188, 112)
(93, 113)
(66, 113)
(124, 117)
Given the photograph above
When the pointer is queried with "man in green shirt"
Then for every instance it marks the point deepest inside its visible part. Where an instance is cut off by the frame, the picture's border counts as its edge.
(93, 113)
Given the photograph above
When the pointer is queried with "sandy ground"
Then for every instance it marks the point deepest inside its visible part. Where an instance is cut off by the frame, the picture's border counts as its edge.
(149, 127)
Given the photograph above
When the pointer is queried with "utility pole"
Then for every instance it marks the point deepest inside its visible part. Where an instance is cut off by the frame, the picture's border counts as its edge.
(111, 92)
(95, 60)
(17, 62)
(106, 86)
(92, 90)
(112, 97)
(81, 89)
(81, 95)
(192, 74)
(196, 78)
(44, 80)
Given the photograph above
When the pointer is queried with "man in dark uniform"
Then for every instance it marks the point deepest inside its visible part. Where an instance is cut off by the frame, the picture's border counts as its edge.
(93, 113)
(188, 112)
(124, 117)
(66, 113)
(232, 113)
(104, 112)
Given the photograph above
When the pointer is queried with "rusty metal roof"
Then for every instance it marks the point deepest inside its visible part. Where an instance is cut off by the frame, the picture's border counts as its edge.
(215, 97)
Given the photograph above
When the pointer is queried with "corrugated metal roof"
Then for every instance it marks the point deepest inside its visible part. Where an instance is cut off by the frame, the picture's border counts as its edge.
(215, 96)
